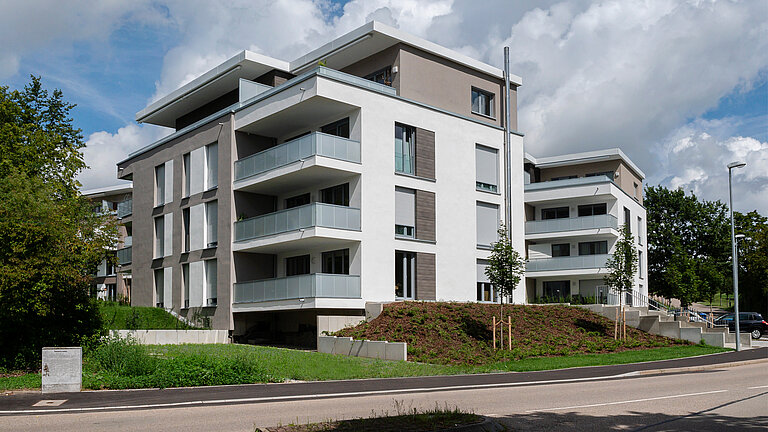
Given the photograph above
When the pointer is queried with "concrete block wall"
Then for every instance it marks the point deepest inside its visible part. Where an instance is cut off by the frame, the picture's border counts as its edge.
(175, 337)
(363, 348)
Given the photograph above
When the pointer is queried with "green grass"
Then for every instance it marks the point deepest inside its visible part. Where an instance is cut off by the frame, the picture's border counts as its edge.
(20, 381)
(120, 317)
(123, 365)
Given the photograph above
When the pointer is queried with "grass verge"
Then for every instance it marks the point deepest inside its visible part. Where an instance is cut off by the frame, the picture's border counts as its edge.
(122, 317)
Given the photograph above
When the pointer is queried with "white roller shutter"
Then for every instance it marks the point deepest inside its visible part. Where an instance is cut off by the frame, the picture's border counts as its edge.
(197, 227)
(481, 265)
(487, 223)
(212, 166)
(168, 288)
(168, 182)
(487, 165)
(196, 170)
(196, 279)
(168, 234)
(405, 207)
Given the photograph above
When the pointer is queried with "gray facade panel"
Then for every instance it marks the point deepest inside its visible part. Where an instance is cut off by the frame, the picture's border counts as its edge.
(425, 153)
(425, 276)
(425, 215)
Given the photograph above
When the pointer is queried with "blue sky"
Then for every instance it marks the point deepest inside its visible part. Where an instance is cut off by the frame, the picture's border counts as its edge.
(682, 87)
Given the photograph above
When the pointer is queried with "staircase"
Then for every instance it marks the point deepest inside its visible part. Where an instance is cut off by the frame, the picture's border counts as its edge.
(661, 323)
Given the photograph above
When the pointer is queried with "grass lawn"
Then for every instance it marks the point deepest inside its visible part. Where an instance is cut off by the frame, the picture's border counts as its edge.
(122, 365)
(122, 317)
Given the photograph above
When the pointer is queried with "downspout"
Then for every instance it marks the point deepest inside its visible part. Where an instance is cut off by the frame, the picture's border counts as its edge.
(507, 150)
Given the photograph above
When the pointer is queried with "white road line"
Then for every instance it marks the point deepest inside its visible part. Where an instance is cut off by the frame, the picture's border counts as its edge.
(310, 396)
(627, 401)
(758, 387)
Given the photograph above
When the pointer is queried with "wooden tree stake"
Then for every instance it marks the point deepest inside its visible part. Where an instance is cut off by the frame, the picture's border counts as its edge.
(494, 332)
(509, 331)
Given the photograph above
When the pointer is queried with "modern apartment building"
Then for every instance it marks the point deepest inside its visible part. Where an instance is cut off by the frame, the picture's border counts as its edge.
(292, 194)
(113, 282)
(575, 206)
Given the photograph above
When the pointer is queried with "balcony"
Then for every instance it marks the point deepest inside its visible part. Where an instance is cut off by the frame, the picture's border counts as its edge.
(299, 149)
(297, 218)
(124, 208)
(124, 256)
(309, 286)
(581, 262)
(571, 224)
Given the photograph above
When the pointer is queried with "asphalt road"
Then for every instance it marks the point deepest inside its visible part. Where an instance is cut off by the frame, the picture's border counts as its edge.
(700, 398)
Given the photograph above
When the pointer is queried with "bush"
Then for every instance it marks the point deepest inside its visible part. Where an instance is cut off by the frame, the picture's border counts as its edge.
(122, 357)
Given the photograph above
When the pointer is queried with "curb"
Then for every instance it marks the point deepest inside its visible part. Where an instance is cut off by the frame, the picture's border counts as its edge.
(487, 425)
(699, 368)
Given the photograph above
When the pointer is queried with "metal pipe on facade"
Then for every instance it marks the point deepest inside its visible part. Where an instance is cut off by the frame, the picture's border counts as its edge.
(507, 150)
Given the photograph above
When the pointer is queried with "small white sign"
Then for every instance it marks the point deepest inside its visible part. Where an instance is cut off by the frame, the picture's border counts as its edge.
(62, 369)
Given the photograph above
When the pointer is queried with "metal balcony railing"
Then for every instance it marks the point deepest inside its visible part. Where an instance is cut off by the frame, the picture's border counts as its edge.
(571, 224)
(318, 285)
(124, 208)
(124, 256)
(567, 263)
(314, 144)
(306, 216)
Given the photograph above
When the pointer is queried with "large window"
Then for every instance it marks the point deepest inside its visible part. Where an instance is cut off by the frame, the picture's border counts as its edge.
(405, 275)
(592, 209)
(296, 201)
(212, 166)
(159, 237)
(160, 185)
(381, 76)
(405, 148)
(185, 280)
(405, 212)
(487, 168)
(187, 174)
(627, 220)
(487, 223)
(159, 288)
(554, 213)
(561, 250)
(640, 267)
(339, 128)
(210, 283)
(485, 290)
(185, 221)
(556, 289)
(338, 195)
(482, 102)
(608, 174)
(211, 222)
(593, 248)
(297, 265)
(640, 231)
(336, 262)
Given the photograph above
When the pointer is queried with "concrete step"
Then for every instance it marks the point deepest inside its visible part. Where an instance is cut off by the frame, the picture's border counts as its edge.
(669, 329)
(746, 339)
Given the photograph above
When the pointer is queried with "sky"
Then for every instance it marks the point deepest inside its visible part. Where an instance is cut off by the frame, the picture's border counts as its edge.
(680, 86)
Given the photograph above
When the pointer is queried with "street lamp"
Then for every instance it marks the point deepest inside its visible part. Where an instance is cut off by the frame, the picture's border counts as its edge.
(731, 166)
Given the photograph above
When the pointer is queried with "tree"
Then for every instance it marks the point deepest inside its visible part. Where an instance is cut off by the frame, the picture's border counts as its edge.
(753, 261)
(622, 267)
(505, 267)
(51, 241)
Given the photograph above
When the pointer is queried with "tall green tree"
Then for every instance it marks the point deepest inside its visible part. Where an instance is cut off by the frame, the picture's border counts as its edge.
(753, 262)
(505, 267)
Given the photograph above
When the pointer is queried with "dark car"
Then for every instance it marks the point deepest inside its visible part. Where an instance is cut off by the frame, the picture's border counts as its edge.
(749, 322)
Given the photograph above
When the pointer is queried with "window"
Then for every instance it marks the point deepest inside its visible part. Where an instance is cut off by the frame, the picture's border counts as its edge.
(159, 288)
(405, 212)
(405, 275)
(637, 192)
(187, 174)
(593, 248)
(640, 264)
(185, 281)
(487, 224)
(485, 290)
(405, 148)
(212, 166)
(336, 262)
(381, 76)
(339, 128)
(110, 263)
(210, 282)
(566, 177)
(561, 250)
(159, 237)
(486, 168)
(557, 289)
(482, 102)
(297, 265)
(297, 201)
(211, 223)
(639, 230)
(338, 195)
(185, 222)
(627, 220)
(555, 213)
(160, 185)
(592, 209)
(608, 174)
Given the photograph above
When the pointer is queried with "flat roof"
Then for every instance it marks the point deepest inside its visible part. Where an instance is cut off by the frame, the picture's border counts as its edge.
(584, 157)
(108, 190)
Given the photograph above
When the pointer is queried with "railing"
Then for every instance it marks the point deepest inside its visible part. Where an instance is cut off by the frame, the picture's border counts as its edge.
(580, 181)
(571, 224)
(567, 263)
(124, 255)
(316, 143)
(306, 216)
(352, 79)
(124, 208)
(318, 285)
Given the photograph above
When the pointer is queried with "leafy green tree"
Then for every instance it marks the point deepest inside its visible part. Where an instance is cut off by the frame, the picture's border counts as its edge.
(505, 267)
(753, 262)
(622, 265)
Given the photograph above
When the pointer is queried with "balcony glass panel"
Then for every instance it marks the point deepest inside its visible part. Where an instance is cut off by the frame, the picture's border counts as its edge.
(306, 216)
(124, 256)
(567, 263)
(314, 144)
(579, 181)
(124, 208)
(571, 224)
(318, 285)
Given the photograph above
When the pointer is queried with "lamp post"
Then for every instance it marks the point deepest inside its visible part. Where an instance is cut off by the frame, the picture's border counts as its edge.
(731, 166)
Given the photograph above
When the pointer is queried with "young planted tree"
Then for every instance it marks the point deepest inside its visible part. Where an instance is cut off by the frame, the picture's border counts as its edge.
(505, 267)
(622, 267)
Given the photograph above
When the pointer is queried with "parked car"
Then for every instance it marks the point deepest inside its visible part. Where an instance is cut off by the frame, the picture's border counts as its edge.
(749, 322)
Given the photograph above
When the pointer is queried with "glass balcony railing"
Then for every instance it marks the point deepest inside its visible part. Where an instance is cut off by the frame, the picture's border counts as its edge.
(306, 216)
(580, 181)
(567, 263)
(124, 256)
(314, 144)
(124, 208)
(571, 224)
(318, 285)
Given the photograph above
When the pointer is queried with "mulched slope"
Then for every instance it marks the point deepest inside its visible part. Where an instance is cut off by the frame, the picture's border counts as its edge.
(460, 333)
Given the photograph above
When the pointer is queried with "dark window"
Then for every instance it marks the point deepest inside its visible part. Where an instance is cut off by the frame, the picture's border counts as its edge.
(557, 289)
(297, 201)
(405, 275)
(561, 250)
(185, 221)
(339, 128)
(486, 292)
(554, 213)
(627, 220)
(298, 136)
(593, 248)
(568, 177)
(608, 174)
(482, 102)
(405, 148)
(381, 76)
(336, 262)
(338, 195)
(592, 209)
(297, 265)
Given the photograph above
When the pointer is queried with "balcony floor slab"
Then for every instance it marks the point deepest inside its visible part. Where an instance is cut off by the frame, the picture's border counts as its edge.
(298, 239)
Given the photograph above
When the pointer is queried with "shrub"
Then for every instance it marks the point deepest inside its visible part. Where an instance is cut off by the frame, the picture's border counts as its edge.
(124, 357)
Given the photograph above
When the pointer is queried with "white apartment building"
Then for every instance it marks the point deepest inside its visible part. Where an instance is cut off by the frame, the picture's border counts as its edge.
(293, 194)
(575, 206)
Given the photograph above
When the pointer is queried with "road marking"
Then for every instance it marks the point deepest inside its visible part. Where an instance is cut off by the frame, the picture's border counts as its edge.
(312, 396)
(50, 402)
(627, 401)
(758, 387)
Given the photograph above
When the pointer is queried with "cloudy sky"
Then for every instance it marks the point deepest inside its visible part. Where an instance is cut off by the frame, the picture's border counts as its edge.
(680, 86)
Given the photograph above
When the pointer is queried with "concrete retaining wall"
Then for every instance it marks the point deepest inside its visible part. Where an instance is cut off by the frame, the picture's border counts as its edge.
(175, 337)
(363, 348)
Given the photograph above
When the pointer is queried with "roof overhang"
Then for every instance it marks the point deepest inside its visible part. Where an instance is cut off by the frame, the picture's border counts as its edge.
(207, 87)
(108, 191)
(585, 157)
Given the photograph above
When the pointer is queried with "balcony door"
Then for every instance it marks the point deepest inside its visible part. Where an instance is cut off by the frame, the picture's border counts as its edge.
(405, 275)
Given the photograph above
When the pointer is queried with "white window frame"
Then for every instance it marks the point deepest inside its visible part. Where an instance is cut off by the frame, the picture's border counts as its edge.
(482, 103)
